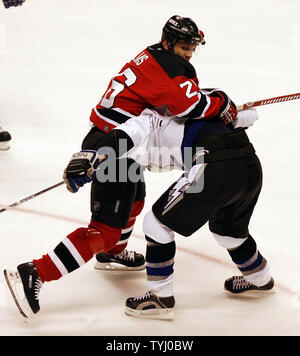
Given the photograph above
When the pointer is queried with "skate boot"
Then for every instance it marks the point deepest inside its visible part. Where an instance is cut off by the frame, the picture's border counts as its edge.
(125, 261)
(150, 305)
(5, 138)
(238, 284)
(25, 285)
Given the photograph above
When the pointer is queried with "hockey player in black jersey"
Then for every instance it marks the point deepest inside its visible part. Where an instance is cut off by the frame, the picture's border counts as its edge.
(221, 186)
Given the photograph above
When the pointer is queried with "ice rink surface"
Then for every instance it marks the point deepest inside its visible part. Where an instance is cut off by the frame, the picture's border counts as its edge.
(56, 58)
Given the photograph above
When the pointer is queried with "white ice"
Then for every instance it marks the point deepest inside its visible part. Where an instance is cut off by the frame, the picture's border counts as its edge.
(56, 58)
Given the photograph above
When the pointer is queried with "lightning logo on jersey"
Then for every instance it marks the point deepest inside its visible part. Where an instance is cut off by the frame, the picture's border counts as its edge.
(176, 194)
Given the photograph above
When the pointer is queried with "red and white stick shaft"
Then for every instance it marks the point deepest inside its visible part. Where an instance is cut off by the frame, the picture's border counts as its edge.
(277, 99)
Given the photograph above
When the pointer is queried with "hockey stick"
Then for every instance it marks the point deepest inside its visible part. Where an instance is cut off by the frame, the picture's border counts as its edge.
(277, 99)
(14, 205)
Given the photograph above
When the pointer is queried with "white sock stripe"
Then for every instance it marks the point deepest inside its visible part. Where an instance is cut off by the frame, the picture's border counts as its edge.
(122, 242)
(160, 264)
(59, 265)
(125, 231)
(74, 252)
(163, 287)
(259, 278)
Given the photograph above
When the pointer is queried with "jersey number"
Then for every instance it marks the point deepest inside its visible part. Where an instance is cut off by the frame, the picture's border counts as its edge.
(188, 86)
(117, 87)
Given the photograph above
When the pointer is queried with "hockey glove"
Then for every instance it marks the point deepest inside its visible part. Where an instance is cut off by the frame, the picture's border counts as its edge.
(9, 3)
(226, 108)
(80, 169)
(229, 114)
(245, 118)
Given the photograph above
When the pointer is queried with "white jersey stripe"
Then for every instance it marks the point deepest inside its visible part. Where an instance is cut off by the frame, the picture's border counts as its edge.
(105, 118)
(123, 112)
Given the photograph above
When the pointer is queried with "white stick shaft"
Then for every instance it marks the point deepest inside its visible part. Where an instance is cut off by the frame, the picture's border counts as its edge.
(14, 205)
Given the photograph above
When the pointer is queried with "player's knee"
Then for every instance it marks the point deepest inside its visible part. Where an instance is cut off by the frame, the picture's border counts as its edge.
(137, 208)
(97, 237)
(79, 240)
(229, 242)
(154, 229)
(102, 237)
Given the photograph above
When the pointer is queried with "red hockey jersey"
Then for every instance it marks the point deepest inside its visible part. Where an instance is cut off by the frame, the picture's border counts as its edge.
(155, 79)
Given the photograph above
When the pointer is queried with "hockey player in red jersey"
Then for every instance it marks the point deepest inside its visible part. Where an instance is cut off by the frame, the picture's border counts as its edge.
(160, 77)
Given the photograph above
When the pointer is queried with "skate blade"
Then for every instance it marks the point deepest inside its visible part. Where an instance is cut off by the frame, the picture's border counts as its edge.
(162, 314)
(111, 266)
(15, 287)
(253, 293)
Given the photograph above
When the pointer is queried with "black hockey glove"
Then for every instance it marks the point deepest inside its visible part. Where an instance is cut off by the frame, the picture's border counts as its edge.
(80, 169)
(9, 3)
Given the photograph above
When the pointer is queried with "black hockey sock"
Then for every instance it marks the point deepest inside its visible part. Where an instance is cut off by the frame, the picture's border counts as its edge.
(250, 262)
(159, 259)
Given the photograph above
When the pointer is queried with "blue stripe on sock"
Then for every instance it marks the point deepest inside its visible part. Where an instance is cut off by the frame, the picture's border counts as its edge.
(253, 265)
(160, 271)
(241, 262)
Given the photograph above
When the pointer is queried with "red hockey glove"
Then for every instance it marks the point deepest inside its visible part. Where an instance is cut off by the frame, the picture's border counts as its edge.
(226, 107)
(229, 114)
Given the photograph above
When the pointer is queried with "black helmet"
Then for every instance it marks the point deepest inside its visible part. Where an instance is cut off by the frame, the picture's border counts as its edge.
(182, 28)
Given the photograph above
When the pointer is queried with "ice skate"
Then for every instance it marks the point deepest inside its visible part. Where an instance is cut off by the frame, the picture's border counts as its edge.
(5, 139)
(24, 285)
(125, 261)
(238, 284)
(151, 306)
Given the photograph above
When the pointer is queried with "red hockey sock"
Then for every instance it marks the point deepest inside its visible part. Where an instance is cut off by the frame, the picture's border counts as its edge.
(75, 250)
(126, 233)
